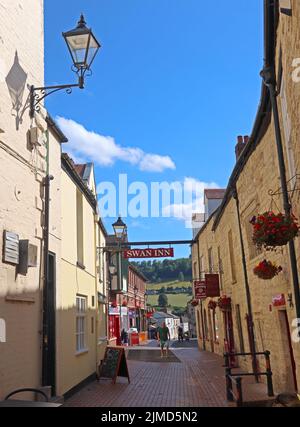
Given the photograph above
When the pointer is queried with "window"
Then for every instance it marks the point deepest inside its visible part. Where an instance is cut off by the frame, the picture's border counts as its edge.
(232, 257)
(210, 261)
(202, 272)
(195, 270)
(79, 220)
(252, 248)
(81, 312)
(287, 128)
(240, 330)
(220, 267)
(285, 7)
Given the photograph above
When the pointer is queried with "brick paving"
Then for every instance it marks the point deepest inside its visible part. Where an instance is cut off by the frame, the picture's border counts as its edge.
(198, 381)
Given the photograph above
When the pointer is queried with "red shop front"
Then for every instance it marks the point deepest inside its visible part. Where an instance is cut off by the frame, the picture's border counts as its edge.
(114, 323)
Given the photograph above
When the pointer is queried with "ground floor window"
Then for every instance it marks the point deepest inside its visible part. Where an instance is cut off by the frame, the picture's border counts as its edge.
(81, 312)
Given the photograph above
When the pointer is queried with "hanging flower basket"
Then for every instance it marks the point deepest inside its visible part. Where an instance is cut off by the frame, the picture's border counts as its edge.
(266, 270)
(271, 230)
(212, 305)
(224, 303)
(124, 304)
(114, 304)
(194, 302)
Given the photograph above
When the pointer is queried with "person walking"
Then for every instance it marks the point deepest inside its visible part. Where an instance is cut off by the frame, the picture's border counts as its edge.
(180, 333)
(164, 339)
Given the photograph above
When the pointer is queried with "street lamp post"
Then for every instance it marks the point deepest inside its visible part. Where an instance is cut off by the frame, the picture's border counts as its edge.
(120, 230)
(83, 47)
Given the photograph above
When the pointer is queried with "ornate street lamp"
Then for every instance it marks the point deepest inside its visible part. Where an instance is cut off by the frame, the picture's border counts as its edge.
(83, 47)
(120, 229)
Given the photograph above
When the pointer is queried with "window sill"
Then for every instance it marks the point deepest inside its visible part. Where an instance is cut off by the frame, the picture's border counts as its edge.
(80, 265)
(81, 352)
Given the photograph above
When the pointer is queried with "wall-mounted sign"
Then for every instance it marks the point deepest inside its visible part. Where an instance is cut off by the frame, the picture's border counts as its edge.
(11, 248)
(149, 253)
(212, 285)
(200, 289)
(278, 300)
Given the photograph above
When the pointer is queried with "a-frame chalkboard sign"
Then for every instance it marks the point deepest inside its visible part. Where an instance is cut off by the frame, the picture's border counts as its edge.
(114, 364)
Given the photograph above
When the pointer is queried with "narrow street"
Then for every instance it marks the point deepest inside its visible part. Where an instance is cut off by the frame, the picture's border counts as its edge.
(188, 378)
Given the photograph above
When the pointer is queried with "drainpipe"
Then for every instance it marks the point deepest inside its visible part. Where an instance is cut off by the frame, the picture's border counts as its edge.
(269, 78)
(247, 288)
(45, 349)
(201, 302)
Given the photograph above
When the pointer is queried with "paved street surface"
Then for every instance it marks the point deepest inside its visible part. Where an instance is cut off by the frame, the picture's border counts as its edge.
(189, 379)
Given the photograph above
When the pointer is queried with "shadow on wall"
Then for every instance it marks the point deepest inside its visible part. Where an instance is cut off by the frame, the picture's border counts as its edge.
(21, 314)
(16, 81)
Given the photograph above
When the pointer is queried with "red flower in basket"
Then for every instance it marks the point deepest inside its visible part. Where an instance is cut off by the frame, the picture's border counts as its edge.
(114, 304)
(194, 302)
(124, 303)
(271, 230)
(212, 305)
(224, 303)
(266, 270)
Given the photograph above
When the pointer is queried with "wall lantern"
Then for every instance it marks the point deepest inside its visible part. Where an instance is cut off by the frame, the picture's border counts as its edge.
(120, 229)
(83, 47)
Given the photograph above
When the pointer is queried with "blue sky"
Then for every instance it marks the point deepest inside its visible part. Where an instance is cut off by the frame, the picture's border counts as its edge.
(178, 79)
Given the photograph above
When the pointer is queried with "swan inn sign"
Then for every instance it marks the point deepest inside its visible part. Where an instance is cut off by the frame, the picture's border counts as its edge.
(149, 253)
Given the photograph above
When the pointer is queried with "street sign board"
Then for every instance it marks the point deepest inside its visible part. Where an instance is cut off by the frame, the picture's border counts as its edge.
(200, 289)
(149, 253)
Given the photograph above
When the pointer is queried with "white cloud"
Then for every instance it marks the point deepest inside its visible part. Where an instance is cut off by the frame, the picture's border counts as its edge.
(104, 151)
(156, 163)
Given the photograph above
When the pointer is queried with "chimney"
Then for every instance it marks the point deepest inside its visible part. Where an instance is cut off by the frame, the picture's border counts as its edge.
(241, 143)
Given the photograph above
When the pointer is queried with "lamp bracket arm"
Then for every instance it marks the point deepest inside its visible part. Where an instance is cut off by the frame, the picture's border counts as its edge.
(38, 94)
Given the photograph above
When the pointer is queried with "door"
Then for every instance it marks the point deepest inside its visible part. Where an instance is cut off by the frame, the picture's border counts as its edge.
(49, 365)
(287, 351)
(229, 337)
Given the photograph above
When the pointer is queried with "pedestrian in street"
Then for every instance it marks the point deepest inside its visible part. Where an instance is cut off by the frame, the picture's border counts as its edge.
(180, 333)
(164, 339)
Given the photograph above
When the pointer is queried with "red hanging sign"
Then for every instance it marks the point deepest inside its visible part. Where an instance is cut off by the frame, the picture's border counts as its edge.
(149, 253)
(212, 285)
(200, 289)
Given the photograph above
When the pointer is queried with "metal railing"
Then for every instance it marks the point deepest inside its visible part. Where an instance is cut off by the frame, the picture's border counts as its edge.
(236, 378)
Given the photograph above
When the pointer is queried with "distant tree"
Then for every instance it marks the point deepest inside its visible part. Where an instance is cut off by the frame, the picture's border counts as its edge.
(163, 300)
(181, 277)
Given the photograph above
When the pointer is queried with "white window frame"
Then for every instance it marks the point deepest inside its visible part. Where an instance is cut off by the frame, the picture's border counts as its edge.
(81, 324)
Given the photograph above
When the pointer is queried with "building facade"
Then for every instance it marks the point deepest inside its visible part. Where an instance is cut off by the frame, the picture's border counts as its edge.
(22, 172)
(81, 296)
(227, 233)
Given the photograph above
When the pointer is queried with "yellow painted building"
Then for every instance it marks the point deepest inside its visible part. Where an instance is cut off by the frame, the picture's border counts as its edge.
(81, 308)
(219, 244)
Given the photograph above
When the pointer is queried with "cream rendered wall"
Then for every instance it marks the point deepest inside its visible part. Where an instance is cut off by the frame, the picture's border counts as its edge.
(74, 368)
(21, 174)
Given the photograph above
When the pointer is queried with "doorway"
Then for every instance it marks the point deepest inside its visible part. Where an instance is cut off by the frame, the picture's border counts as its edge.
(228, 334)
(287, 350)
(49, 348)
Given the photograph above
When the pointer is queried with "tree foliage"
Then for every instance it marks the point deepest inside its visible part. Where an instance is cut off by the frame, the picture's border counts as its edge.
(163, 300)
(166, 270)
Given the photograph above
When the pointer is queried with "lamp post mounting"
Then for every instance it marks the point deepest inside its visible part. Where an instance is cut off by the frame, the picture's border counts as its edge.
(83, 47)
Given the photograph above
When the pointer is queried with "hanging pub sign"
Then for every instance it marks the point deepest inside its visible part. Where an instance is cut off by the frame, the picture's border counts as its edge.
(200, 289)
(149, 253)
(212, 285)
